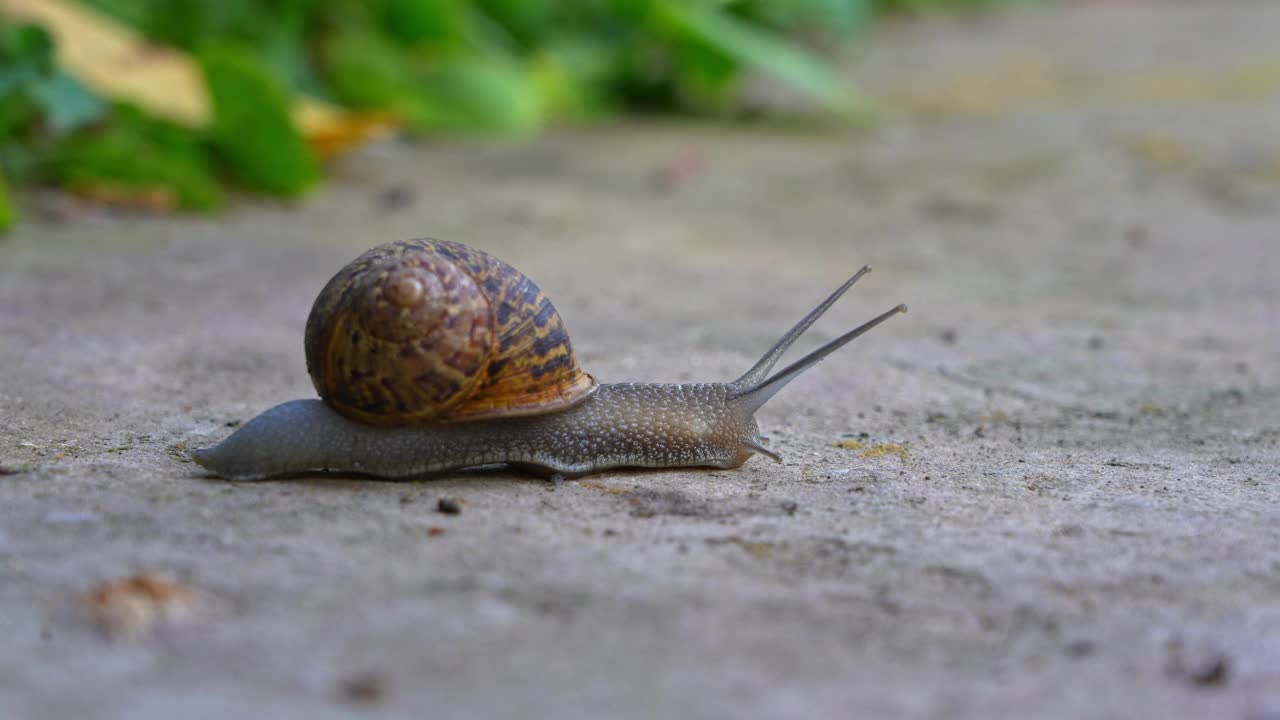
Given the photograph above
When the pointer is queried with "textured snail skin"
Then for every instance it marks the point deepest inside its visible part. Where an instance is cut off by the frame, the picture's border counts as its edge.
(622, 425)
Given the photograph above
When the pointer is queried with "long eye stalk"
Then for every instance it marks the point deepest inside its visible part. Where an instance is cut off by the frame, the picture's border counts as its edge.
(753, 389)
(760, 370)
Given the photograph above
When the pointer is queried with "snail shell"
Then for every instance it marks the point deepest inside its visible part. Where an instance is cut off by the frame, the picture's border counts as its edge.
(433, 331)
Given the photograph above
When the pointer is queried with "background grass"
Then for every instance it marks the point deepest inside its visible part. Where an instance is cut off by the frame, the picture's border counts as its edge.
(499, 67)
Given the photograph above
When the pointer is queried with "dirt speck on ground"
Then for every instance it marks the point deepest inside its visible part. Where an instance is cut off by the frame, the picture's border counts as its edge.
(130, 607)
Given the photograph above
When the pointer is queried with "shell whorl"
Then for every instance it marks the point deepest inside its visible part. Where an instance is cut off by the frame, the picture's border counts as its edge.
(429, 330)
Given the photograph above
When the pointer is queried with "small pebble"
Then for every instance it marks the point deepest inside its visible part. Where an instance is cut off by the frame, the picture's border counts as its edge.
(1137, 236)
(449, 506)
(1210, 672)
(679, 169)
(1200, 664)
(396, 197)
(1078, 648)
(364, 688)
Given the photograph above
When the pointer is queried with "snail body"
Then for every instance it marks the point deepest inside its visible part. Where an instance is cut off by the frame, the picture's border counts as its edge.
(402, 397)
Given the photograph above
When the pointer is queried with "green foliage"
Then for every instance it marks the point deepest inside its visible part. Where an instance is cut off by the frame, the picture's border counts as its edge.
(39, 106)
(252, 128)
(726, 42)
(922, 6)
(512, 66)
(39, 103)
(457, 93)
(138, 153)
(7, 212)
(486, 95)
(34, 89)
(487, 66)
(439, 23)
(839, 18)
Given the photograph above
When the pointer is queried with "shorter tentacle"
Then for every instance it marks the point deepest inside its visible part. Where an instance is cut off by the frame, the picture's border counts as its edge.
(760, 370)
(752, 398)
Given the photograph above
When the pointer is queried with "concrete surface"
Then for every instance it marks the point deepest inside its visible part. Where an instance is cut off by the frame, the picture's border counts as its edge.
(1064, 501)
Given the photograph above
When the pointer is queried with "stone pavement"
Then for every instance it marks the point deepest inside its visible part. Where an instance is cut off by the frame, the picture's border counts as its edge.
(1048, 491)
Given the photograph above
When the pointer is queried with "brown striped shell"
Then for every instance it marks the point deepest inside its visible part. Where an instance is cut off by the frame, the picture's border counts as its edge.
(429, 330)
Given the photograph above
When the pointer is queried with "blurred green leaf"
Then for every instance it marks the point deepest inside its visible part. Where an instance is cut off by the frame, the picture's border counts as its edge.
(67, 104)
(252, 127)
(17, 113)
(26, 50)
(139, 154)
(366, 70)
(529, 23)
(171, 139)
(27, 72)
(439, 23)
(474, 94)
(758, 49)
(704, 74)
(462, 93)
(131, 12)
(569, 79)
(838, 18)
(8, 214)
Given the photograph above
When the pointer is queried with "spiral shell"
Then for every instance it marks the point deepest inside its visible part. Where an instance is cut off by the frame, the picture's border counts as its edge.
(430, 330)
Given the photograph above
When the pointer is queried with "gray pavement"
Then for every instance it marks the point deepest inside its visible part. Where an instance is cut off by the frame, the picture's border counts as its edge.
(1057, 495)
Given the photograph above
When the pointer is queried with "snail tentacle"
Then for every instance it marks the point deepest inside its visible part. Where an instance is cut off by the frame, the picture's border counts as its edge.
(760, 370)
(754, 397)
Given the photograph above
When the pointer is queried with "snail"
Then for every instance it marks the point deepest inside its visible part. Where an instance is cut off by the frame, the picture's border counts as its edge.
(432, 356)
